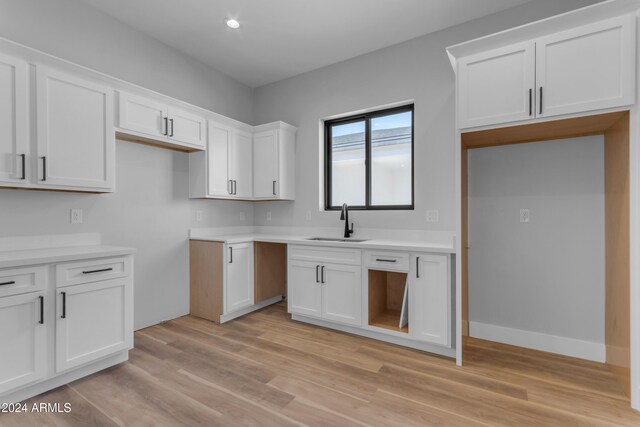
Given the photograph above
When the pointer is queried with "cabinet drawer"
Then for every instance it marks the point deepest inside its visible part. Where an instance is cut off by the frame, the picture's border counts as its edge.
(326, 254)
(16, 281)
(94, 270)
(396, 261)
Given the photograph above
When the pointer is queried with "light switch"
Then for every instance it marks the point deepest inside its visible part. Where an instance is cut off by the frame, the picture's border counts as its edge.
(433, 215)
(525, 215)
(76, 216)
(198, 215)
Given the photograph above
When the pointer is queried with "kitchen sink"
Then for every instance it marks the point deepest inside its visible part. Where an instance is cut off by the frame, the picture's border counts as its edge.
(336, 239)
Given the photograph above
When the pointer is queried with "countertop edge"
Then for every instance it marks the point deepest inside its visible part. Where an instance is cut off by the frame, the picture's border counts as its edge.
(373, 244)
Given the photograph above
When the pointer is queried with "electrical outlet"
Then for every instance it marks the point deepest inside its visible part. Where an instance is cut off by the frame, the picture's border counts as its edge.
(198, 215)
(308, 216)
(76, 216)
(525, 215)
(268, 216)
(242, 216)
(433, 215)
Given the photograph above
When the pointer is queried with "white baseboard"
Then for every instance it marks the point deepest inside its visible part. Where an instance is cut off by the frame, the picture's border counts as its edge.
(551, 343)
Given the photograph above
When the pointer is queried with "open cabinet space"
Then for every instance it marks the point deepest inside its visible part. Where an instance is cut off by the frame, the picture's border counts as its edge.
(611, 236)
(388, 300)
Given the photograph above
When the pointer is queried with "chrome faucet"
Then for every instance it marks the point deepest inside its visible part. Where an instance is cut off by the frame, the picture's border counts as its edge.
(344, 216)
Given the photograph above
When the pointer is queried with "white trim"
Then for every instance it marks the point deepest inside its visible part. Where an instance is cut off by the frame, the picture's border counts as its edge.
(538, 341)
(393, 339)
(65, 378)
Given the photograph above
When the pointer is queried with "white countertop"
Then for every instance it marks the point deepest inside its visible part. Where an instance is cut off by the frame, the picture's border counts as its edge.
(62, 254)
(394, 245)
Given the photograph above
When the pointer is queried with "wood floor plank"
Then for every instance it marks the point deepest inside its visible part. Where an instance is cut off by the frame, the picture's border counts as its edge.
(266, 370)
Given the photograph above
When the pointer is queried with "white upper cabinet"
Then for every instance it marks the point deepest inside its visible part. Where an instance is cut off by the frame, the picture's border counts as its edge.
(147, 118)
(218, 181)
(497, 86)
(265, 160)
(75, 132)
(244, 162)
(587, 68)
(241, 164)
(142, 115)
(274, 162)
(591, 67)
(14, 121)
(187, 128)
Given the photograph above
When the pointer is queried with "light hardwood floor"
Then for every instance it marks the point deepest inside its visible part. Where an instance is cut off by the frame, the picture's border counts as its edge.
(266, 370)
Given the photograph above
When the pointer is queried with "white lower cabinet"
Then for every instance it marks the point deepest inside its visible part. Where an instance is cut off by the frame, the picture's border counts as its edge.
(329, 291)
(239, 285)
(342, 293)
(305, 291)
(23, 334)
(430, 299)
(94, 320)
(372, 293)
(49, 328)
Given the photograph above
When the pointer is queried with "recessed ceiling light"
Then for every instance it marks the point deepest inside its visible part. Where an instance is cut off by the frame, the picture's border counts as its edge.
(232, 23)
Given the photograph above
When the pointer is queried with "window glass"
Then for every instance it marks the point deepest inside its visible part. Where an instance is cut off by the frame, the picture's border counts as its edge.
(391, 159)
(348, 173)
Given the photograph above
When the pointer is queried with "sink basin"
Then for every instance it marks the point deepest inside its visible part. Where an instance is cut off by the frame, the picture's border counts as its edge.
(336, 239)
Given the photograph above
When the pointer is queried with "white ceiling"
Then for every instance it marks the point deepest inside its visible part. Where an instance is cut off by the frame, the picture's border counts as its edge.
(282, 38)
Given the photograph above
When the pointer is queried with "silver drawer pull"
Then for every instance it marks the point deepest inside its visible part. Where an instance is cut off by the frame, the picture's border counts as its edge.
(386, 260)
(13, 282)
(102, 270)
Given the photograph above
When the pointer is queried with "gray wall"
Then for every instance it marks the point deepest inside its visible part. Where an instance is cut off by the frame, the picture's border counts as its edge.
(418, 69)
(150, 209)
(547, 275)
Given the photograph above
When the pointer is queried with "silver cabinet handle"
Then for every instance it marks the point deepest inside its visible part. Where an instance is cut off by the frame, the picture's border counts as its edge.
(230, 187)
(171, 121)
(235, 187)
(41, 321)
(322, 274)
(418, 267)
(274, 188)
(166, 126)
(230, 254)
(317, 279)
(44, 168)
(386, 260)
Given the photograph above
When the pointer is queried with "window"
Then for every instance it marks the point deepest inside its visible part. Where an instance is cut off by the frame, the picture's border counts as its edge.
(369, 160)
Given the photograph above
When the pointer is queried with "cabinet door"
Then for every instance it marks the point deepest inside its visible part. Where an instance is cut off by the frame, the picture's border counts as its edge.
(497, 86)
(24, 340)
(76, 135)
(304, 292)
(341, 293)
(94, 320)
(219, 141)
(14, 124)
(142, 115)
(265, 163)
(587, 68)
(241, 164)
(430, 299)
(187, 128)
(239, 290)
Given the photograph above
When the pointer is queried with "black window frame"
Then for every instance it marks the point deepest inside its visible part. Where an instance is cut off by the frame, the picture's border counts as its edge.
(367, 117)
